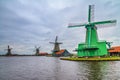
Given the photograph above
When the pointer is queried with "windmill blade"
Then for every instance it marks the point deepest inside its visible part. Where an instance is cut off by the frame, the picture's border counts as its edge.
(102, 24)
(56, 39)
(105, 25)
(60, 43)
(76, 25)
(91, 13)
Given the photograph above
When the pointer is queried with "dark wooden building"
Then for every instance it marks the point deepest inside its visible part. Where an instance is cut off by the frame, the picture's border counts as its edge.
(61, 53)
(114, 51)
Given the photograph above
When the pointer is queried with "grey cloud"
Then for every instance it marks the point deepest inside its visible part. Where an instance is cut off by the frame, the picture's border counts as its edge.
(27, 22)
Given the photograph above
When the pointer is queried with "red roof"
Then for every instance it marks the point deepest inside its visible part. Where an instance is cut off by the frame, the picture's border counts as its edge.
(60, 52)
(43, 53)
(115, 49)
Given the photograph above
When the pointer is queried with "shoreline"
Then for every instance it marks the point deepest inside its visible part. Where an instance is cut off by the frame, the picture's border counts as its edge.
(113, 58)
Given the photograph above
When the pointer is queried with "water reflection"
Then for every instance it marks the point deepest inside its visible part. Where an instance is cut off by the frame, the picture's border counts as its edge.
(65, 70)
(98, 71)
(57, 69)
(95, 71)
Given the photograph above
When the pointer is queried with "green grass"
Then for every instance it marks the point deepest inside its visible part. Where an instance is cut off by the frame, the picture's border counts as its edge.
(91, 59)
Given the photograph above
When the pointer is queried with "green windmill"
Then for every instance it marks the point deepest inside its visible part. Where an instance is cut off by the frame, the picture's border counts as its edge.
(92, 46)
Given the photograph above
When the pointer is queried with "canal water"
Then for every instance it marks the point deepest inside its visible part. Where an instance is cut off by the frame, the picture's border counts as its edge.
(51, 68)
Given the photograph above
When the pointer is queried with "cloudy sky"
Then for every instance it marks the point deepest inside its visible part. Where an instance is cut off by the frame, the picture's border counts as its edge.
(26, 23)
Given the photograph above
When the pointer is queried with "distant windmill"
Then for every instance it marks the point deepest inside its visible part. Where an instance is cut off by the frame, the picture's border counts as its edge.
(8, 51)
(92, 46)
(56, 45)
(37, 49)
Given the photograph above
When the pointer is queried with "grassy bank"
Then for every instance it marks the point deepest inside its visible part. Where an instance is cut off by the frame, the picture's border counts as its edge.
(91, 59)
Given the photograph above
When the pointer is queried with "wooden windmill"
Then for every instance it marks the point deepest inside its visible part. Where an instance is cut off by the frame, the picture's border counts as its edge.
(37, 49)
(56, 45)
(8, 51)
(92, 46)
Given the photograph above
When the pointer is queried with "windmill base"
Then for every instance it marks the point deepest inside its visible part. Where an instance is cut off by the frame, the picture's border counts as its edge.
(97, 49)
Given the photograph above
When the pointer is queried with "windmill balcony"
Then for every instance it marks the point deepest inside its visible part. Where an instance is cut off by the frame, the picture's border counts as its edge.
(87, 47)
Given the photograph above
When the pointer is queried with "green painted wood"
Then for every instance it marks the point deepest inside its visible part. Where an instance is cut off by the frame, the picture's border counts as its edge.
(89, 14)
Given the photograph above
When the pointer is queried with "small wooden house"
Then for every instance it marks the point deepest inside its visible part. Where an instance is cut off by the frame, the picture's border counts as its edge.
(61, 53)
(114, 51)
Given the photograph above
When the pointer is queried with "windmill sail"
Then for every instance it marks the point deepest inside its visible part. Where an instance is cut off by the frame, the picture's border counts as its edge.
(91, 13)
(103, 24)
(76, 25)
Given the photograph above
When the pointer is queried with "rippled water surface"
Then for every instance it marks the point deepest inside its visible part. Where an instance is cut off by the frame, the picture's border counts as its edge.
(50, 68)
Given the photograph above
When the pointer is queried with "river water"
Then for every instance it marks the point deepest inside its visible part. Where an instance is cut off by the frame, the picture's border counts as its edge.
(51, 68)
